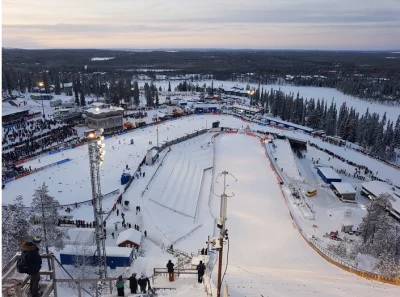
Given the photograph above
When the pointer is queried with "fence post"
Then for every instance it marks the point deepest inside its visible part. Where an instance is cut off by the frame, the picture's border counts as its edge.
(110, 286)
(79, 289)
(53, 268)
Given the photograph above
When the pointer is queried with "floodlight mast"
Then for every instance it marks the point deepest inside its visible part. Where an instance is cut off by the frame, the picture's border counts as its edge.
(96, 156)
(221, 225)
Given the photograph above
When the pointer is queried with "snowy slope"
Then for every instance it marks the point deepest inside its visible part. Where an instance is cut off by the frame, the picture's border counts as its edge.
(267, 255)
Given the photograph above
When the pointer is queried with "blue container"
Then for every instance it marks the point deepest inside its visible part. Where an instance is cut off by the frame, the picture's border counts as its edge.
(125, 177)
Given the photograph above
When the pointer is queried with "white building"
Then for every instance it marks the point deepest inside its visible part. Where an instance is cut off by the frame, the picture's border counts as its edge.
(345, 190)
(105, 116)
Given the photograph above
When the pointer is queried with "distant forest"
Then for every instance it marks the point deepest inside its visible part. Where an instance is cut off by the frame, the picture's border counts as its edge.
(372, 76)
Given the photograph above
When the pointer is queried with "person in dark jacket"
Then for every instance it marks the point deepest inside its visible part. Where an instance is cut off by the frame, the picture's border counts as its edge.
(120, 286)
(34, 262)
(170, 267)
(133, 283)
(143, 282)
(201, 268)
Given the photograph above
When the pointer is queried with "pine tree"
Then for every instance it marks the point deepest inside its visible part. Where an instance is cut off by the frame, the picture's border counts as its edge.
(147, 94)
(160, 89)
(387, 265)
(16, 228)
(76, 92)
(57, 88)
(45, 208)
(136, 93)
(157, 99)
(83, 101)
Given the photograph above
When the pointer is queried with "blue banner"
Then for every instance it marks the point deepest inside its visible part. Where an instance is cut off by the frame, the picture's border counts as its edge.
(8, 180)
(54, 152)
(122, 133)
(63, 161)
(108, 137)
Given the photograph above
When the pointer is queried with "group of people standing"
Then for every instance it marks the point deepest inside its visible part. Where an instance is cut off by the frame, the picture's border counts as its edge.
(143, 283)
(201, 269)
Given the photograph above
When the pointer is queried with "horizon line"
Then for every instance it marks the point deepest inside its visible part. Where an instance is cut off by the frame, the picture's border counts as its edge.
(204, 49)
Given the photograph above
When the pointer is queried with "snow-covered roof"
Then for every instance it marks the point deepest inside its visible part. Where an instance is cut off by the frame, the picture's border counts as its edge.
(6, 112)
(253, 109)
(115, 251)
(377, 188)
(81, 234)
(80, 250)
(130, 234)
(104, 110)
(97, 104)
(279, 121)
(344, 188)
(329, 173)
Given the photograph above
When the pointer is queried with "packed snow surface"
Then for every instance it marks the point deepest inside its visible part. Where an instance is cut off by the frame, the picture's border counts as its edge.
(267, 255)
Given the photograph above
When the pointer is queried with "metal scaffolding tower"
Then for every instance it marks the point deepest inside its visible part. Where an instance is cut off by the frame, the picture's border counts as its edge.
(96, 157)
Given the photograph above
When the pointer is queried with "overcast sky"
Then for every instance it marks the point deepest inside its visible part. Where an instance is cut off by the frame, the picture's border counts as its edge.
(256, 24)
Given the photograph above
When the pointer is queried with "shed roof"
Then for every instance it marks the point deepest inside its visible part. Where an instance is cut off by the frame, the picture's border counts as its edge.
(130, 234)
(377, 188)
(79, 250)
(344, 188)
(104, 110)
(115, 251)
(81, 234)
(329, 173)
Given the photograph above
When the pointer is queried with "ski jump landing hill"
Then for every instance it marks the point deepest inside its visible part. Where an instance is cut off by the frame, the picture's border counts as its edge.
(172, 197)
(268, 253)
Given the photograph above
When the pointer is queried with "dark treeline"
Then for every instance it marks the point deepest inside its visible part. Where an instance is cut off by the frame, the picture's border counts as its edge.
(379, 136)
(368, 75)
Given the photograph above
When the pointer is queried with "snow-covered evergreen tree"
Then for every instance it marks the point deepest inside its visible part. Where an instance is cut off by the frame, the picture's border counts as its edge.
(15, 229)
(387, 264)
(45, 209)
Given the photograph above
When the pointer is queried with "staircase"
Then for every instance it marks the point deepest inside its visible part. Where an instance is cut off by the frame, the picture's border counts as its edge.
(184, 259)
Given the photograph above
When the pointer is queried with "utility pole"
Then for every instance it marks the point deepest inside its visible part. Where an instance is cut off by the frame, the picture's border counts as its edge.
(221, 225)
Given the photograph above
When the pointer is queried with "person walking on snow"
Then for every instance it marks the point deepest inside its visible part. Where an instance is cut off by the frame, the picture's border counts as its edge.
(117, 212)
(133, 283)
(145, 233)
(120, 286)
(116, 227)
(170, 267)
(200, 272)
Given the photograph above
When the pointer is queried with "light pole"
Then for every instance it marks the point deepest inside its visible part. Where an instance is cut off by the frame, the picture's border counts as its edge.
(41, 85)
(251, 93)
(157, 137)
(96, 157)
(221, 226)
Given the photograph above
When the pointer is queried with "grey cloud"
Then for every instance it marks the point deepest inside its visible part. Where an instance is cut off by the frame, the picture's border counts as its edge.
(297, 16)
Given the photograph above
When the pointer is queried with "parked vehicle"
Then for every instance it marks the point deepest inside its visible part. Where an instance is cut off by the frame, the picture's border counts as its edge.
(311, 193)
